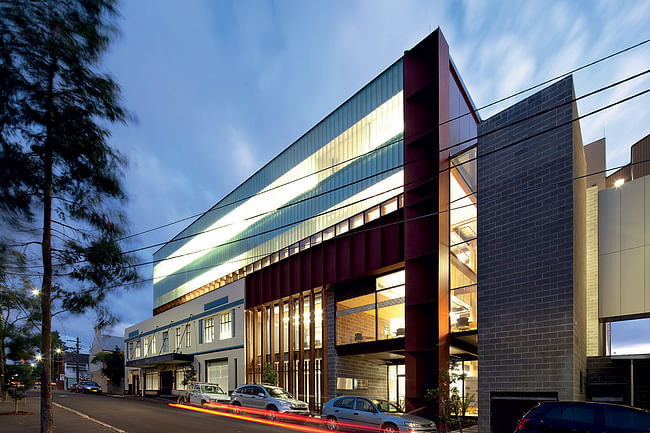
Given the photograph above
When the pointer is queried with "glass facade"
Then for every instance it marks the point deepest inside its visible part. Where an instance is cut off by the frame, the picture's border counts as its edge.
(348, 163)
(462, 239)
(378, 315)
(288, 335)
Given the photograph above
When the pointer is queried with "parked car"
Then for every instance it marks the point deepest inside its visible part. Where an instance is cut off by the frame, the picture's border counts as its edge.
(272, 399)
(88, 386)
(202, 393)
(73, 387)
(584, 417)
(344, 411)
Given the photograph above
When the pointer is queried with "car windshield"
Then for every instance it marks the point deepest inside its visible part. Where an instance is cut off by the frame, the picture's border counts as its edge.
(91, 383)
(278, 392)
(387, 407)
(213, 389)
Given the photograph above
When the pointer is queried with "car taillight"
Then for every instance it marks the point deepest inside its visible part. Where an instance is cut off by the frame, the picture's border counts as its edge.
(521, 425)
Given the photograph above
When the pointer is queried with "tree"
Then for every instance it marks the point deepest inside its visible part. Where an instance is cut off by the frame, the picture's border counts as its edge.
(56, 165)
(269, 375)
(112, 364)
(452, 406)
(18, 316)
(189, 375)
(20, 380)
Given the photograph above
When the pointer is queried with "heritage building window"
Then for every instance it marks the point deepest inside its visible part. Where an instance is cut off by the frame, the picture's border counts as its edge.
(208, 330)
(188, 335)
(226, 326)
(165, 341)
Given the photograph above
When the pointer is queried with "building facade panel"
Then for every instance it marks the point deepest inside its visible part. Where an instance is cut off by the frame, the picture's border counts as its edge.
(526, 294)
(347, 163)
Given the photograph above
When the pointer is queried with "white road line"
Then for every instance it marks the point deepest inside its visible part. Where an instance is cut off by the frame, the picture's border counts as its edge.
(83, 415)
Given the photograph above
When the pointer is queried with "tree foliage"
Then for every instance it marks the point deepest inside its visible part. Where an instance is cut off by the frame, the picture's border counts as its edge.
(19, 315)
(452, 406)
(112, 364)
(269, 375)
(189, 375)
(57, 167)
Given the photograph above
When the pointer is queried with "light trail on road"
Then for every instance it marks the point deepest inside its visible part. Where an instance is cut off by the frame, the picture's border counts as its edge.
(296, 427)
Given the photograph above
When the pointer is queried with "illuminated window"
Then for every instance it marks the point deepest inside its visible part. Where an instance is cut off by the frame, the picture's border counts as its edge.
(146, 346)
(137, 348)
(389, 206)
(328, 233)
(188, 336)
(225, 330)
(342, 227)
(153, 344)
(372, 214)
(356, 221)
(208, 330)
(165, 341)
(178, 338)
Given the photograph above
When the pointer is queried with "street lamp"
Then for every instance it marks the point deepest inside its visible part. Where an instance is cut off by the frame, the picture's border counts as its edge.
(39, 357)
(36, 292)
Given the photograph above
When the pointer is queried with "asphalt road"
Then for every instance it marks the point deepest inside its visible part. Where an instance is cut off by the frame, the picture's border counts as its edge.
(154, 416)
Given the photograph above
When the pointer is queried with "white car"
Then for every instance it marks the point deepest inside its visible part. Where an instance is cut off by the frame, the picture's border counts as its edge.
(202, 393)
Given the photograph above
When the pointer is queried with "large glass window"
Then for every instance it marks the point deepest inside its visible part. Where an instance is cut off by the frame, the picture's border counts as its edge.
(306, 313)
(153, 344)
(467, 383)
(374, 316)
(146, 346)
(318, 319)
(178, 338)
(137, 348)
(462, 238)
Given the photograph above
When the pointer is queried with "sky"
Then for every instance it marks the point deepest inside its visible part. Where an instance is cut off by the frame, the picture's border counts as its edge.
(218, 88)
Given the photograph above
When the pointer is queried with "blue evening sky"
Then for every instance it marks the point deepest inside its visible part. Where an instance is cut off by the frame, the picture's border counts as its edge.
(221, 87)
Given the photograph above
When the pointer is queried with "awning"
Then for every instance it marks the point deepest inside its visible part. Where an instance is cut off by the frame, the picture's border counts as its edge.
(168, 358)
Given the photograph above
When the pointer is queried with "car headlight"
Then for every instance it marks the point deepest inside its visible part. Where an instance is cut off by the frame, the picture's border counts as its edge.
(412, 424)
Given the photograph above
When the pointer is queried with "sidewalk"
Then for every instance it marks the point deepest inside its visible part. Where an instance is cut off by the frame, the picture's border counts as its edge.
(64, 420)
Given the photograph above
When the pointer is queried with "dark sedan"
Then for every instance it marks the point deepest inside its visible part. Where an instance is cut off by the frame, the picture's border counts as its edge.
(89, 387)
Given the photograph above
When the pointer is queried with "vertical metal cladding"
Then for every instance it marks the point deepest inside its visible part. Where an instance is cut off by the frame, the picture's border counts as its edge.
(348, 162)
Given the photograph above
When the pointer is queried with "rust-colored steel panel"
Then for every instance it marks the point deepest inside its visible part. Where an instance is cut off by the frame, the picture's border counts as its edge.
(376, 245)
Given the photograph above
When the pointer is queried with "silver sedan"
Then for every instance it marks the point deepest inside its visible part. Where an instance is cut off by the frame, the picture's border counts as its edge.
(350, 412)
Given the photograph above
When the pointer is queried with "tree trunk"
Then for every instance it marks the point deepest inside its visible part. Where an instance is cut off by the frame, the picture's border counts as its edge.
(46, 291)
(3, 369)
(46, 246)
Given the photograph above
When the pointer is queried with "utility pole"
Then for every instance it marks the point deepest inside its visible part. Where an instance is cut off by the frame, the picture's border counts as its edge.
(77, 358)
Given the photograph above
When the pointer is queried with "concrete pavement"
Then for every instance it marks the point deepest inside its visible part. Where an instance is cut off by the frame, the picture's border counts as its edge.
(65, 421)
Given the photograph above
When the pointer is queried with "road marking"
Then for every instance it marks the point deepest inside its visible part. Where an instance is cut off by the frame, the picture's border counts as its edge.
(83, 415)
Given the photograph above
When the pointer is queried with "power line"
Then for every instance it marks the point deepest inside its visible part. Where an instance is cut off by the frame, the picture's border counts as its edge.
(313, 196)
(565, 74)
(401, 186)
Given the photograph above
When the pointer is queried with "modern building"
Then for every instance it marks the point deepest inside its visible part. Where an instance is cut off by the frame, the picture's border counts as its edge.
(400, 231)
(104, 343)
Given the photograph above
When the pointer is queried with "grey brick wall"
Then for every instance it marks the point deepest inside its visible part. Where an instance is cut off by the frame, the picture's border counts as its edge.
(525, 251)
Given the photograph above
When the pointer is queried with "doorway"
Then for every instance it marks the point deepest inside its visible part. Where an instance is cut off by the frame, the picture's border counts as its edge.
(397, 384)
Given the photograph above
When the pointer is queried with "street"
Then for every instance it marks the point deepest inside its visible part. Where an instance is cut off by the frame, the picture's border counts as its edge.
(132, 415)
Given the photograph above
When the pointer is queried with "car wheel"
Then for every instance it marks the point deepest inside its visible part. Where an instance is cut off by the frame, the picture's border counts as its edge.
(272, 413)
(235, 408)
(332, 424)
(203, 404)
(389, 428)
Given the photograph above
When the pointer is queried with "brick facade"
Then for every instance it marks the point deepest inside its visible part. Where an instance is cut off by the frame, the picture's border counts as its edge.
(526, 258)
